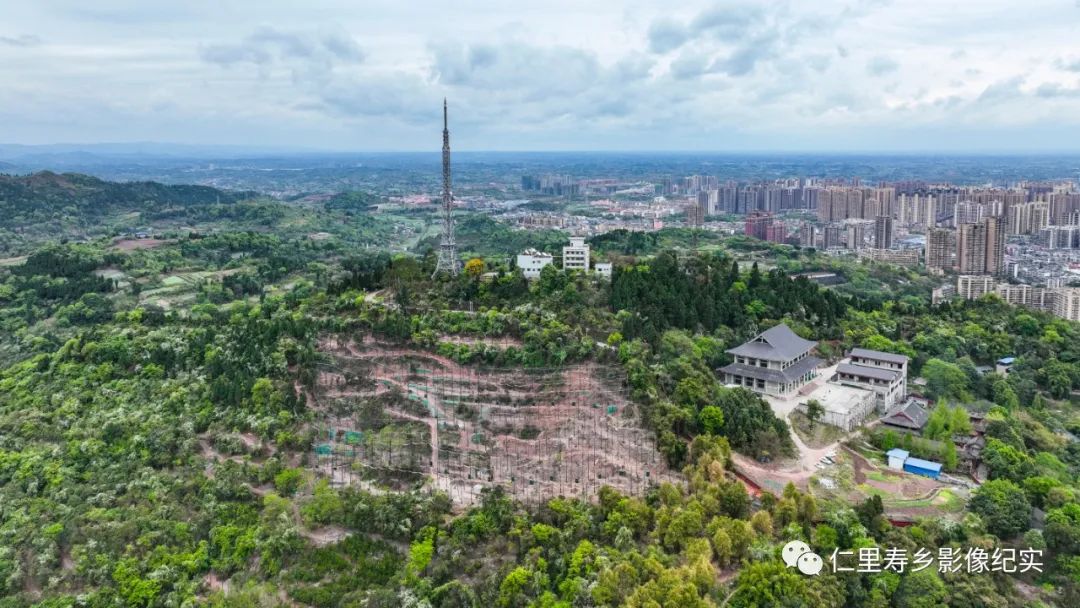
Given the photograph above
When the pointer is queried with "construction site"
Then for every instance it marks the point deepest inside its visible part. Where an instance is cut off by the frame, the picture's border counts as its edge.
(398, 417)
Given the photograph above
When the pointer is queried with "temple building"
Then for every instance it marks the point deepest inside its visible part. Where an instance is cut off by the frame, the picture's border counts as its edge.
(777, 362)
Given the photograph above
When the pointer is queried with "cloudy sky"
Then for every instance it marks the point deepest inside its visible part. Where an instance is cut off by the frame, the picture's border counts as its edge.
(854, 75)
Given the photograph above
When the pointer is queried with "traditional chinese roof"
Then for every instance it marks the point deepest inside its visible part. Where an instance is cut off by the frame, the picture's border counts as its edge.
(778, 343)
(909, 415)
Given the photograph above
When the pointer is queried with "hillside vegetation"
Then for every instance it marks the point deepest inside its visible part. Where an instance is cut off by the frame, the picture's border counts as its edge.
(158, 443)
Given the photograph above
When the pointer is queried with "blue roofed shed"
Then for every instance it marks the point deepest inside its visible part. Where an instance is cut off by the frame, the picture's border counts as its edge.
(922, 467)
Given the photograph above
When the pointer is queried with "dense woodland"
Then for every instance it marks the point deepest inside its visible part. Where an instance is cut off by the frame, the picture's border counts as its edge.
(123, 367)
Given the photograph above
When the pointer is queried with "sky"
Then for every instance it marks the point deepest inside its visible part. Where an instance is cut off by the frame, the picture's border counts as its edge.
(369, 75)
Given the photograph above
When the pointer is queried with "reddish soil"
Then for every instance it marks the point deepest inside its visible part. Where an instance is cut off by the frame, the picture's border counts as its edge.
(494, 341)
(133, 244)
(538, 433)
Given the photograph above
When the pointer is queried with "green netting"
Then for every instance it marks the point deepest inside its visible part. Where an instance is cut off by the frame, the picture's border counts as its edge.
(611, 409)
(353, 436)
(478, 438)
(323, 449)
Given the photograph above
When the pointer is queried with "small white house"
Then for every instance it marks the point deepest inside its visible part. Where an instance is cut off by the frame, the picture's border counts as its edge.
(603, 269)
(531, 262)
(897, 458)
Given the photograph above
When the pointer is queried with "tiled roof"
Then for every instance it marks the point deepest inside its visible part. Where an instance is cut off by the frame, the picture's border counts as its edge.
(867, 372)
(778, 343)
(908, 415)
(879, 355)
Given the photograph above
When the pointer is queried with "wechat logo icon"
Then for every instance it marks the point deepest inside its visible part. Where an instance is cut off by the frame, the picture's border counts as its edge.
(797, 554)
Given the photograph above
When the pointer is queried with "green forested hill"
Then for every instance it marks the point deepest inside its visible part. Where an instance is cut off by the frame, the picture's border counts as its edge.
(49, 206)
(158, 446)
(42, 196)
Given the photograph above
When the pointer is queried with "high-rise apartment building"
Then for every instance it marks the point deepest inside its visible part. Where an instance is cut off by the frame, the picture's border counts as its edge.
(917, 210)
(807, 235)
(941, 249)
(968, 212)
(883, 232)
(776, 232)
(855, 235)
(1060, 237)
(980, 247)
(972, 287)
(833, 237)
(1067, 303)
(995, 244)
(1062, 205)
(1028, 218)
(757, 225)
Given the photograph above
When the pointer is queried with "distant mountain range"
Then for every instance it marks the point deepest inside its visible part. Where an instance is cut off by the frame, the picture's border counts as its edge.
(120, 151)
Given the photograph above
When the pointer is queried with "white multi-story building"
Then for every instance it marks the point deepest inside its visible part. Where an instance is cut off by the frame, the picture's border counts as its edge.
(576, 255)
(532, 262)
(884, 373)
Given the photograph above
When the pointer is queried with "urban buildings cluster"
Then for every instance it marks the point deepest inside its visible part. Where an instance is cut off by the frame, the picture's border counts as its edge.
(1026, 232)
(1063, 302)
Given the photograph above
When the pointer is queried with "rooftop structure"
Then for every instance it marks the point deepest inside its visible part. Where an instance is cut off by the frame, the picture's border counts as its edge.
(908, 416)
(870, 373)
(867, 355)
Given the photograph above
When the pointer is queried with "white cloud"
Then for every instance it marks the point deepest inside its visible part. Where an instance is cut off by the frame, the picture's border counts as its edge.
(564, 74)
(880, 65)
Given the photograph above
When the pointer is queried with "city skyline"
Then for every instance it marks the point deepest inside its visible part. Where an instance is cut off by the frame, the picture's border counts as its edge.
(741, 77)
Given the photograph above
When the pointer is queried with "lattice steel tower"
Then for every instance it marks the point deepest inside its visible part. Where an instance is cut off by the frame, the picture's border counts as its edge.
(448, 259)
